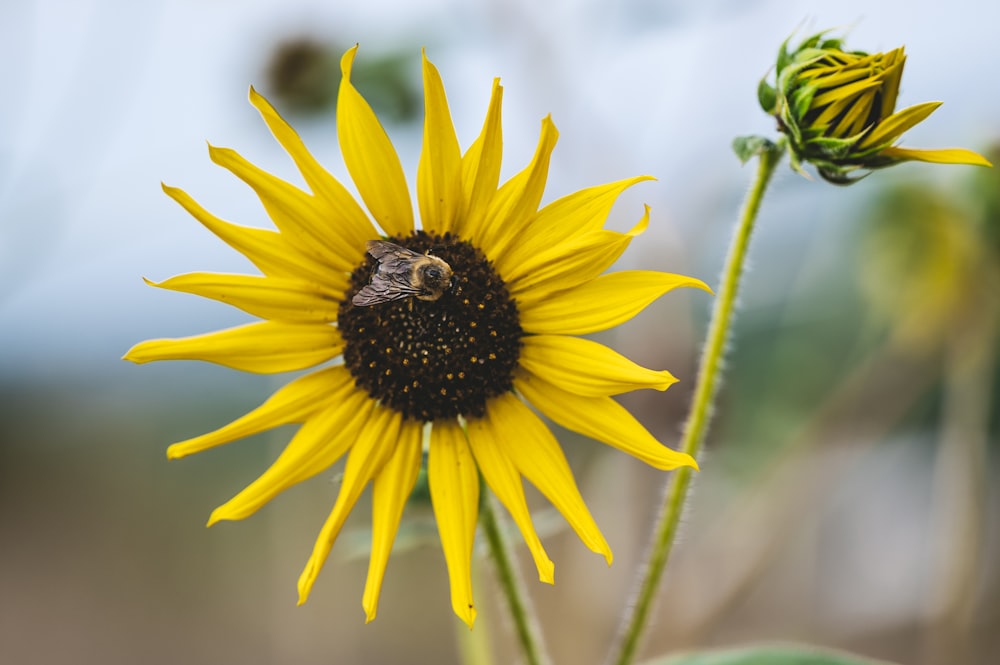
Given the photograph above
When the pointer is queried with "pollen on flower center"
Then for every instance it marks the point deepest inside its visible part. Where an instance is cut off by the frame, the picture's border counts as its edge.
(434, 359)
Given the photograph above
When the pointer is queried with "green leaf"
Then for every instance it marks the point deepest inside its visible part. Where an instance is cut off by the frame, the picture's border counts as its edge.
(767, 96)
(747, 147)
(792, 654)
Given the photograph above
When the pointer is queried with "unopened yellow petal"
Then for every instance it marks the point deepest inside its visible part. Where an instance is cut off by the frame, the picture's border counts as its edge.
(569, 264)
(454, 486)
(439, 174)
(572, 215)
(266, 249)
(604, 302)
(370, 158)
(584, 367)
(538, 457)
(892, 75)
(293, 403)
(321, 441)
(939, 156)
(375, 443)
(481, 169)
(837, 99)
(891, 128)
(267, 347)
(487, 438)
(345, 218)
(277, 298)
(516, 203)
(302, 221)
(600, 418)
(391, 489)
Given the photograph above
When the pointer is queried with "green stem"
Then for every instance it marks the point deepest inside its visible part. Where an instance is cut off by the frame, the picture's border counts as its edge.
(474, 646)
(512, 585)
(701, 408)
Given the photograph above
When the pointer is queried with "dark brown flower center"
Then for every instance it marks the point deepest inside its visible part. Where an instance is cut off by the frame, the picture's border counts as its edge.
(431, 359)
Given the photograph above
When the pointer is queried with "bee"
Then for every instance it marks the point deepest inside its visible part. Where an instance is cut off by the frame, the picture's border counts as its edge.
(403, 273)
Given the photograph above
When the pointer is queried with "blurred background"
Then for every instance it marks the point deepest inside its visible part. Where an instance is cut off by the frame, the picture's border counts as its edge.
(848, 495)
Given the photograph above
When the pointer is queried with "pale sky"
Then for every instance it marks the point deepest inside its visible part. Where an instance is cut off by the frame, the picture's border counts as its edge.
(104, 99)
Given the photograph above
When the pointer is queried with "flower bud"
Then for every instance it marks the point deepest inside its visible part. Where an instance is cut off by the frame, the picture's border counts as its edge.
(837, 109)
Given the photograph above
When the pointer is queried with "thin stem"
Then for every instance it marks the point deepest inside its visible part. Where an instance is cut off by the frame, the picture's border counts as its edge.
(960, 492)
(474, 645)
(701, 408)
(512, 585)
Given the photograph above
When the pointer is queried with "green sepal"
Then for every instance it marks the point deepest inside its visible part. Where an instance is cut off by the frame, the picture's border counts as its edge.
(790, 126)
(831, 148)
(783, 57)
(747, 147)
(767, 96)
(840, 175)
(796, 163)
(800, 101)
(766, 655)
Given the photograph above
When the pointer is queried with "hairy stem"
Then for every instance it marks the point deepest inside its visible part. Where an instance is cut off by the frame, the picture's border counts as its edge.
(701, 410)
(512, 585)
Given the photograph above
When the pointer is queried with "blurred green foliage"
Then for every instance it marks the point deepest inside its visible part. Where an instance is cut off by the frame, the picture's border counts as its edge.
(303, 76)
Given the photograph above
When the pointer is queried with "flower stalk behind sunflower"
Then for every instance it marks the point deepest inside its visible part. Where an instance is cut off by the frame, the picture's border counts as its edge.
(836, 110)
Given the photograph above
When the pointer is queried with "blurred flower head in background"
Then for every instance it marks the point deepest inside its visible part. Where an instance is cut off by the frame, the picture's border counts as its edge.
(930, 262)
(303, 76)
(446, 370)
(837, 109)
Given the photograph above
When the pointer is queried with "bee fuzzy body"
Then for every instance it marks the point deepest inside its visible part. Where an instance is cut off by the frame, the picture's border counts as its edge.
(402, 273)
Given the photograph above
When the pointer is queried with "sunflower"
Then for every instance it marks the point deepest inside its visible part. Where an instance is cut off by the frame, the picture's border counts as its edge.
(451, 372)
(838, 110)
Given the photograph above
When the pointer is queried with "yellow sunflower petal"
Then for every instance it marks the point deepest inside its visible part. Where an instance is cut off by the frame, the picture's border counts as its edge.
(391, 489)
(276, 298)
(370, 158)
(454, 485)
(439, 174)
(296, 213)
(891, 128)
(584, 367)
(892, 75)
(939, 156)
(266, 249)
(293, 403)
(538, 457)
(481, 169)
(267, 347)
(569, 264)
(843, 97)
(516, 202)
(487, 440)
(320, 442)
(604, 302)
(600, 418)
(835, 76)
(375, 443)
(352, 223)
(571, 215)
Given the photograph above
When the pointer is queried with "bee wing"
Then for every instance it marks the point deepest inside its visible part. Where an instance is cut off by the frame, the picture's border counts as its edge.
(392, 259)
(391, 278)
(384, 289)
